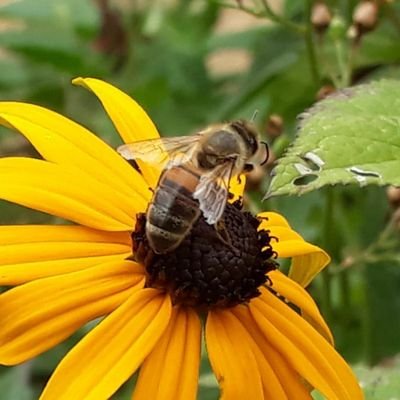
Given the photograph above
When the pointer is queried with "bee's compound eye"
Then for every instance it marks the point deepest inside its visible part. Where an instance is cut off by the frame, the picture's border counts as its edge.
(248, 167)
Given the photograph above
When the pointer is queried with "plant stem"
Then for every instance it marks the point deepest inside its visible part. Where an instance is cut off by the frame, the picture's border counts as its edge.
(326, 275)
(270, 13)
(312, 58)
(371, 253)
(342, 64)
(366, 323)
(393, 17)
(267, 13)
(310, 45)
(344, 287)
(242, 7)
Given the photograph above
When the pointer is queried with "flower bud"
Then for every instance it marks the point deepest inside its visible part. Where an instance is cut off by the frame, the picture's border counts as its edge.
(260, 173)
(353, 32)
(393, 195)
(365, 16)
(337, 28)
(325, 91)
(396, 218)
(320, 17)
(274, 126)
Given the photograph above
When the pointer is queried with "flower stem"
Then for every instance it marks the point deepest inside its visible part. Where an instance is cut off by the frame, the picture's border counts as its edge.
(366, 323)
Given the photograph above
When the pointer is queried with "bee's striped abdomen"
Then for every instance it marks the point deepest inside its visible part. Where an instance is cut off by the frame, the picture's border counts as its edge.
(172, 210)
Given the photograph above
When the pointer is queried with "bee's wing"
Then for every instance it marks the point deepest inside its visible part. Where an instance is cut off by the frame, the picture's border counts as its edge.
(212, 191)
(176, 150)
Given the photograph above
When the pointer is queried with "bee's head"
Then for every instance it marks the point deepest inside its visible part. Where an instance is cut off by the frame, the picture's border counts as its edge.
(249, 134)
(237, 140)
(257, 151)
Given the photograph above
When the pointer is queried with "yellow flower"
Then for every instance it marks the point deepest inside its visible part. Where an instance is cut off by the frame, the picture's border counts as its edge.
(68, 275)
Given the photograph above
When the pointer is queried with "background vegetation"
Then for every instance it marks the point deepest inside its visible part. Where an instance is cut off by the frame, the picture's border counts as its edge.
(194, 62)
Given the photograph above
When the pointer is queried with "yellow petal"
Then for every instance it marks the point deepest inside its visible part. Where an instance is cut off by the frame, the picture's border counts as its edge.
(66, 193)
(299, 297)
(17, 274)
(295, 387)
(131, 121)
(306, 266)
(307, 259)
(63, 141)
(108, 355)
(29, 252)
(232, 358)
(272, 387)
(38, 315)
(171, 370)
(284, 234)
(236, 187)
(272, 219)
(305, 349)
(129, 118)
(278, 373)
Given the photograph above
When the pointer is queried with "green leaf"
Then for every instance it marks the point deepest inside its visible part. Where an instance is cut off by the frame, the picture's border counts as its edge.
(350, 137)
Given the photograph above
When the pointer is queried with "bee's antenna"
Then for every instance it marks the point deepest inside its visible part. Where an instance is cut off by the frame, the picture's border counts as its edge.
(254, 116)
(266, 152)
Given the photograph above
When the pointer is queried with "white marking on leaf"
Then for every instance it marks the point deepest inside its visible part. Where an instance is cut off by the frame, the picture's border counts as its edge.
(302, 169)
(364, 173)
(315, 159)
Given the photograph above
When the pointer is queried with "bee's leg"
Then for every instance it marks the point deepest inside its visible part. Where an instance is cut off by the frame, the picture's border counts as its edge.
(135, 165)
(139, 234)
(223, 234)
(238, 203)
(140, 245)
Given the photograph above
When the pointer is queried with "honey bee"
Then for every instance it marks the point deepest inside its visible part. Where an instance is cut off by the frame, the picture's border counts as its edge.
(195, 179)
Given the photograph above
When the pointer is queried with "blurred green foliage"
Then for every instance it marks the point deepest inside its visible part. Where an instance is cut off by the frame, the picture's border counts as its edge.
(161, 53)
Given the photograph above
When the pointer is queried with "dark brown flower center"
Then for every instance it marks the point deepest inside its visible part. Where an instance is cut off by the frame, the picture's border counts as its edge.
(214, 266)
